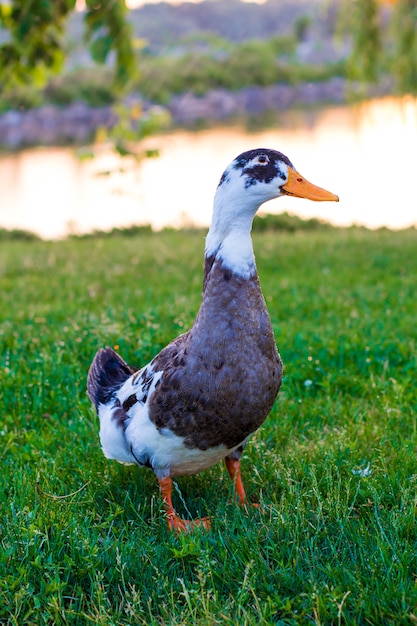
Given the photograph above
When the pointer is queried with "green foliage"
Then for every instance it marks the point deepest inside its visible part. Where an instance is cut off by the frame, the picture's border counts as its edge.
(23, 97)
(35, 49)
(91, 85)
(129, 231)
(286, 222)
(405, 53)
(253, 62)
(301, 27)
(134, 125)
(17, 235)
(384, 44)
(35, 31)
(107, 30)
(83, 539)
(365, 61)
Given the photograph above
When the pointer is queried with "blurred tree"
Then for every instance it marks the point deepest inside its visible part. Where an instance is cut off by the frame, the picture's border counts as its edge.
(405, 36)
(34, 50)
(366, 58)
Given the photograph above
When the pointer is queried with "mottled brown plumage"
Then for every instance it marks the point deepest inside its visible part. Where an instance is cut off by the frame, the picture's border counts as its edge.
(221, 378)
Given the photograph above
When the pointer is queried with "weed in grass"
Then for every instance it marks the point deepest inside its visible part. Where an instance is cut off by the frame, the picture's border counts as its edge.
(334, 468)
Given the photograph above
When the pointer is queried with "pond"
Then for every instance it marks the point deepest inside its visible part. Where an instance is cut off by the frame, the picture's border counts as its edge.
(364, 153)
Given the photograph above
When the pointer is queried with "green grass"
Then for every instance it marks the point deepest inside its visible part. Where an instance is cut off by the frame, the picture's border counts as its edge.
(84, 540)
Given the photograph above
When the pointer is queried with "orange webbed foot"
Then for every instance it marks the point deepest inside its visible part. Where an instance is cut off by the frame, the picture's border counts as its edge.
(176, 523)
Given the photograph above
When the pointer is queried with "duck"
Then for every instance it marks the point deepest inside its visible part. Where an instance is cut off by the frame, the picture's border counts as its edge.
(202, 397)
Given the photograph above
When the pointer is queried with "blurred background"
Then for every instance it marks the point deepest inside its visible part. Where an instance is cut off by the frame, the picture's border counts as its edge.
(117, 114)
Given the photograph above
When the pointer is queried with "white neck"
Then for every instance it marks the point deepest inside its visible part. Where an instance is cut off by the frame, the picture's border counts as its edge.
(229, 236)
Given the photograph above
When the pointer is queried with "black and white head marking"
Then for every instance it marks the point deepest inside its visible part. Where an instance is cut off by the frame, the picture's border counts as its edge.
(261, 165)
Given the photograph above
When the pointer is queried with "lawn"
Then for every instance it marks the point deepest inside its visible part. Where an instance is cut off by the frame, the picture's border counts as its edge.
(84, 540)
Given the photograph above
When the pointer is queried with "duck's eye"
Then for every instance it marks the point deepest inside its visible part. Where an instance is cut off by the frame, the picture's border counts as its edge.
(263, 159)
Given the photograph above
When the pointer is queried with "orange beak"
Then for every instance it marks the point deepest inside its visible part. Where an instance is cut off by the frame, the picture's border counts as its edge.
(298, 186)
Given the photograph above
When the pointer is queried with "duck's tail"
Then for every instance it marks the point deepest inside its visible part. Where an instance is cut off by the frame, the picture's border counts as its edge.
(107, 373)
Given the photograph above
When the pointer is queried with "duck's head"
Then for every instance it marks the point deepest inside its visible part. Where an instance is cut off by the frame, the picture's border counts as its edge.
(259, 175)
(253, 178)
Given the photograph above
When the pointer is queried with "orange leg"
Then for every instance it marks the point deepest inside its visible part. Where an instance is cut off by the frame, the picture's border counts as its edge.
(174, 521)
(233, 467)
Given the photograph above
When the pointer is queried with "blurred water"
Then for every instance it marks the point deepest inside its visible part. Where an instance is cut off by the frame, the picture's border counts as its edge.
(365, 154)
